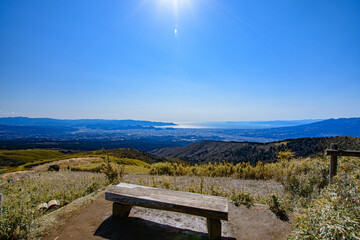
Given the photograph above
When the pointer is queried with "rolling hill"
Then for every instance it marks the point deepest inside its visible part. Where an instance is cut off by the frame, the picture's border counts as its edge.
(214, 151)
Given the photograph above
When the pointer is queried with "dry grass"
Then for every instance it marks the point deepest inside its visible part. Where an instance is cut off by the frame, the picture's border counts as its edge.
(64, 164)
(97, 167)
(137, 170)
(299, 185)
(46, 223)
(335, 213)
(327, 212)
(22, 197)
(260, 190)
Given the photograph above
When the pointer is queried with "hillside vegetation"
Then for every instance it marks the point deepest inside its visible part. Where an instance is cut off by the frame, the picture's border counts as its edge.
(289, 186)
(236, 152)
(128, 153)
(19, 157)
(18, 160)
(23, 195)
(324, 212)
(21, 198)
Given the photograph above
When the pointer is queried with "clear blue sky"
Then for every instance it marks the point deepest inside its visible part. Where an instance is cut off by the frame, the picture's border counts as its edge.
(184, 60)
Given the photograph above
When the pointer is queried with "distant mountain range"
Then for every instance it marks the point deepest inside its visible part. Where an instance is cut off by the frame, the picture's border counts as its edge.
(235, 152)
(325, 128)
(81, 123)
(248, 124)
(87, 134)
(133, 124)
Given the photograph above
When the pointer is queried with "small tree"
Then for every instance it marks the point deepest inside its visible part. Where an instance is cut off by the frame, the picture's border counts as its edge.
(285, 155)
(114, 172)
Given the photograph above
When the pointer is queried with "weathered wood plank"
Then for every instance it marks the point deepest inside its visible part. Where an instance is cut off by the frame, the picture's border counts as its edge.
(195, 204)
(348, 153)
(333, 162)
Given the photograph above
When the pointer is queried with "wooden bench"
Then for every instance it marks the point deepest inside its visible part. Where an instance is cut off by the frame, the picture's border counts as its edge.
(124, 196)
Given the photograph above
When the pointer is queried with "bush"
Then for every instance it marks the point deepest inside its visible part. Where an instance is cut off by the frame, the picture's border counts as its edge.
(54, 168)
(285, 155)
(163, 168)
(335, 214)
(114, 172)
(304, 178)
(277, 208)
(242, 197)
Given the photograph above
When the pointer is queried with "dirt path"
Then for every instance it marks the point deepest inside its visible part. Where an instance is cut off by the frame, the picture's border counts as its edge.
(94, 221)
(63, 164)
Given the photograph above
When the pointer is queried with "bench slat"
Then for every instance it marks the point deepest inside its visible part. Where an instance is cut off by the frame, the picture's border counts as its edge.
(191, 203)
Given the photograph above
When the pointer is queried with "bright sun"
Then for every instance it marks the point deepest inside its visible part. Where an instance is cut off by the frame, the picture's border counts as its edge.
(176, 6)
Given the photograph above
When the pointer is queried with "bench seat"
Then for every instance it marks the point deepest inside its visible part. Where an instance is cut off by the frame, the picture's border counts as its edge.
(124, 196)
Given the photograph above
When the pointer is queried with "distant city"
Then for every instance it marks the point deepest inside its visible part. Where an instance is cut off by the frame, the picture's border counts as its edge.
(145, 135)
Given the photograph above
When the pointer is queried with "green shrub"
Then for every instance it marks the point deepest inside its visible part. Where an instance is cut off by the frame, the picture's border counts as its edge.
(242, 197)
(304, 178)
(163, 168)
(277, 208)
(114, 172)
(335, 214)
(285, 155)
(54, 167)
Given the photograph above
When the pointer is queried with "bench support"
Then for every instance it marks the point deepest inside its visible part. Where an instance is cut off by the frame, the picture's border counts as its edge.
(121, 210)
(214, 228)
(213, 208)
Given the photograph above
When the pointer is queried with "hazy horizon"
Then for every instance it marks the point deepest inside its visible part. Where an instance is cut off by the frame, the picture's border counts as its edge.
(185, 122)
(172, 124)
(180, 60)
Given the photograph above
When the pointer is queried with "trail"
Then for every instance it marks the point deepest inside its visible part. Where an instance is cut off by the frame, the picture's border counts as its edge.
(63, 164)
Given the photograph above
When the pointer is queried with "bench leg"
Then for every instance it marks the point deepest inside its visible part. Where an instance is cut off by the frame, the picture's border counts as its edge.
(214, 228)
(121, 210)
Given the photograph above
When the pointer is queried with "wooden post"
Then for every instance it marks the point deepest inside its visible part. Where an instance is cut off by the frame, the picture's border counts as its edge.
(214, 228)
(1, 203)
(121, 210)
(333, 162)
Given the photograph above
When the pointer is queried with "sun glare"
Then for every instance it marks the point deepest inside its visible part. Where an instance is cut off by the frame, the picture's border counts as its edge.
(177, 7)
(176, 4)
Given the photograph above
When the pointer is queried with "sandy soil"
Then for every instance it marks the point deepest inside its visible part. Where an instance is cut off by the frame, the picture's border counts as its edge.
(94, 221)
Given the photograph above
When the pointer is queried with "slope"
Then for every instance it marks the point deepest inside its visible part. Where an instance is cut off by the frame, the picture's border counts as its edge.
(211, 151)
